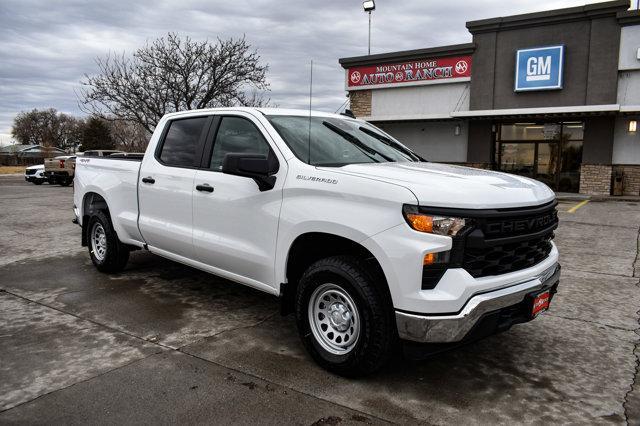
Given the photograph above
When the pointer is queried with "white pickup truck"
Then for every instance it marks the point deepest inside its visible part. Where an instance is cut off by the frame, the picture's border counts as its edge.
(369, 244)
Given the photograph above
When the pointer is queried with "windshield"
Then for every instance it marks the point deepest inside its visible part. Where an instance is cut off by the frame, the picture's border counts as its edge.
(338, 142)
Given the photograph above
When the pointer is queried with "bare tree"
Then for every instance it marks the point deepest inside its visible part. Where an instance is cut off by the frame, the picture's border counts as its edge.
(172, 74)
(48, 128)
(129, 136)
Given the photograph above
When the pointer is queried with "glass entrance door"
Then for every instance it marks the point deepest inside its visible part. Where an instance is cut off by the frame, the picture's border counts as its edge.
(518, 158)
(549, 152)
(547, 163)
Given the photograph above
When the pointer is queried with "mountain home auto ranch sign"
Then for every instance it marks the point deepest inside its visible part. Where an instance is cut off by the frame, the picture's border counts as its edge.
(425, 71)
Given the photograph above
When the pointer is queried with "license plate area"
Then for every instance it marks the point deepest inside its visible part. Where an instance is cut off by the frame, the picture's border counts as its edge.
(540, 302)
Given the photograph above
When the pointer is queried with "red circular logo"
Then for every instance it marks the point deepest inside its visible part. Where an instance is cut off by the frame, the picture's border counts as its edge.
(355, 77)
(461, 67)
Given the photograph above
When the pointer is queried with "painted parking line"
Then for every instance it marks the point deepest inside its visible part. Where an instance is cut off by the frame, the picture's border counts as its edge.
(577, 206)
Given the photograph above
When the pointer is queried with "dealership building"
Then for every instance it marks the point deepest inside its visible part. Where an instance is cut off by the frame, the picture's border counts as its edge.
(553, 95)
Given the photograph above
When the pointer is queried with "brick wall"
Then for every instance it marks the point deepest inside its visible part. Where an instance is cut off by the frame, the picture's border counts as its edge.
(360, 102)
(595, 179)
(631, 179)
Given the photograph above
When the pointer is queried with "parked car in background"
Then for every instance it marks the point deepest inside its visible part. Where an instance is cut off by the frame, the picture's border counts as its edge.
(60, 170)
(35, 174)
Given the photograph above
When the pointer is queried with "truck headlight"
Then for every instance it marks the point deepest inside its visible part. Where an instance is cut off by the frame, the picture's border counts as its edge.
(432, 224)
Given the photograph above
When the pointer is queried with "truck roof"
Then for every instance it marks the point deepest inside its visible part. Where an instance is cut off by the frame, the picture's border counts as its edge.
(265, 111)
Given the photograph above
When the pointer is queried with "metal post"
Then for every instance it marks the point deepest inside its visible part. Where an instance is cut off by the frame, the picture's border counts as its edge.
(370, 31)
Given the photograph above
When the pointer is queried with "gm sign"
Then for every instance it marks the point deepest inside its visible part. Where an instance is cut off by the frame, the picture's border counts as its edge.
(539, 68)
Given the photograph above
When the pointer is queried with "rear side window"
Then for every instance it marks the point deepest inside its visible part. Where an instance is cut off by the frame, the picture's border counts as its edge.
(181, 142)
(237, 135)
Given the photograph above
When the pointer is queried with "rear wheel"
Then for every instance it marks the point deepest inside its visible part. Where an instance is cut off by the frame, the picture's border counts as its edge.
(65, 182)
(107, 253)
(344, 317)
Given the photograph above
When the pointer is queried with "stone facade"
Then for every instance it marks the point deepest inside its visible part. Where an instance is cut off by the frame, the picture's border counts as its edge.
(595, 179)
(360, 102)
(631, 178)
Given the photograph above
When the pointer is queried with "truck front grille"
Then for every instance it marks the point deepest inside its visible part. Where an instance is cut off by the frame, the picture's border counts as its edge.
(507, 240)
(499, 241)
(505, 258)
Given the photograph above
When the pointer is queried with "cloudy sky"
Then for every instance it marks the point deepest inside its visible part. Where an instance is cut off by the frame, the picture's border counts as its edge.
(46, 46)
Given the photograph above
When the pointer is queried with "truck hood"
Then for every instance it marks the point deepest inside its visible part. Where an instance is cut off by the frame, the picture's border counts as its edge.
(441, 185)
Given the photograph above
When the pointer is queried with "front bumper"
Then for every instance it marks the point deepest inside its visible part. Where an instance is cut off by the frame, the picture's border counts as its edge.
(496, 310)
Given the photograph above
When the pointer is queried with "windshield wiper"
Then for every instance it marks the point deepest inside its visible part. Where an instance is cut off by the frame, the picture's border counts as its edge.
(385, 140)
(366, 149)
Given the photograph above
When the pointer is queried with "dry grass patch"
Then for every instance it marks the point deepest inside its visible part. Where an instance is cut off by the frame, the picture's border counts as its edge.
(8, 170)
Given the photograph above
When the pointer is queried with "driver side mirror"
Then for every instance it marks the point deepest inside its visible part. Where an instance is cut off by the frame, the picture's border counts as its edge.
(256, 166)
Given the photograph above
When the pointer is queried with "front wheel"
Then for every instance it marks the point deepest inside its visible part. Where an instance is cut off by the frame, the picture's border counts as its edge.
(107, 253)
(38, 182)
(344, 317)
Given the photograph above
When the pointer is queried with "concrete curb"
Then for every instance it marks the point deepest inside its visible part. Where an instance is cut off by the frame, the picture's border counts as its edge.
(565, 196)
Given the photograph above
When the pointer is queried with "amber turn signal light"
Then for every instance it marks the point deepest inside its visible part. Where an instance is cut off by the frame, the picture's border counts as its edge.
(429, 259)
(420, 222)
(435, 258)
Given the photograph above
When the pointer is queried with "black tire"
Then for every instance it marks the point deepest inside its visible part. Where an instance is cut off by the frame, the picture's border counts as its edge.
(116, 256)
(38, 182)
(65, 182)
(377, 336)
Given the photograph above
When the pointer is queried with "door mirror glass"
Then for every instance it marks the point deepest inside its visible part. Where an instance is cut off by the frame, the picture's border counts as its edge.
(256, 166)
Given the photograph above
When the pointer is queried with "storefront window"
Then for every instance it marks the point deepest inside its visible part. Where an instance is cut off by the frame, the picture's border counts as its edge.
(517, 158)
(521, 132)
(569, 180)
(573, 131)
(547, 163)
(549, 152)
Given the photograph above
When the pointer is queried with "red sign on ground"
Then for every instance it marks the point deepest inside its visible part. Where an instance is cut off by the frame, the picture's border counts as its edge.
(409, 72)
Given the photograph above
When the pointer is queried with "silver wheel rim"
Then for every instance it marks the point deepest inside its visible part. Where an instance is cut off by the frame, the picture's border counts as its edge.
(98, 241)
(334, 319)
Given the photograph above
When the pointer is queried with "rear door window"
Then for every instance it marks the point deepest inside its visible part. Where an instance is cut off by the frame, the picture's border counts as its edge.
(181, 142)
(237, 135)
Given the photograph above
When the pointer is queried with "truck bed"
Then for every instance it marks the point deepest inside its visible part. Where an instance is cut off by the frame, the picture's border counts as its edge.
(115, 179)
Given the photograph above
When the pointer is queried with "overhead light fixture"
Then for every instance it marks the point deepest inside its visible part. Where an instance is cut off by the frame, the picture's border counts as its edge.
(369, 5)
(633, 125)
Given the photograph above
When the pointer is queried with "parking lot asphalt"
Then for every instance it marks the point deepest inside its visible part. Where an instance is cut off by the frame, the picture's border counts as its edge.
(164, 343)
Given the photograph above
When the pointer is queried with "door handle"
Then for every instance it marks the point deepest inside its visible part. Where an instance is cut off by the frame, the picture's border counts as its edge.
(204, 188)
(148, 180)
